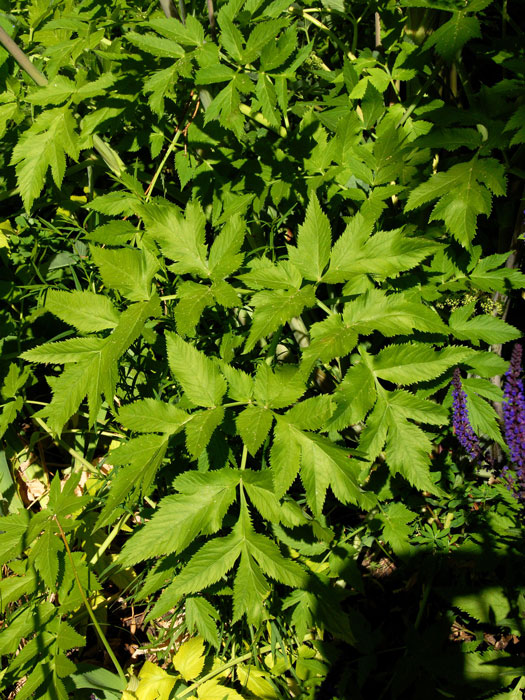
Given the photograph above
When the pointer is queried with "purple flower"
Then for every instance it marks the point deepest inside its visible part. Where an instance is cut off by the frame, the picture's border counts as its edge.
(462, 428)
(514, 411)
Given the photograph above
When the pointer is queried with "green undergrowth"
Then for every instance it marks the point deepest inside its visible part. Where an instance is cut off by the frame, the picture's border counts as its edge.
(243, 249)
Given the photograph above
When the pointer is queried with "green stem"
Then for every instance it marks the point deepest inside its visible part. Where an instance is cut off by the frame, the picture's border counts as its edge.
(221, 669)
(261, 119)
(88, 607)
(169, 151)
(22, 60)
(324, 307)
(323, 28)
(109, 539)
(244, 457)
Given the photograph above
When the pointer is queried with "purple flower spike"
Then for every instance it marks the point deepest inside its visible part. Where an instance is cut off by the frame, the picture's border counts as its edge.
(514, 410)
(462, 428)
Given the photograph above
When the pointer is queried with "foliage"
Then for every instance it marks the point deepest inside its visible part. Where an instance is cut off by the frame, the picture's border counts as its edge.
(245, 249)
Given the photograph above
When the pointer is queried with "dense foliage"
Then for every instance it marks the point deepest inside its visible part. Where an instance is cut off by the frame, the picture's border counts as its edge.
(259, 292)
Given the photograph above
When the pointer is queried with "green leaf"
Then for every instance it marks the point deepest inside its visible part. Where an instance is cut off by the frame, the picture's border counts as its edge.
(128, 270)
(354, 397)
(199, 508)
(155, 45)
(264, 274)
(66, 351)
(207, 566)
(230, 37)
(86, 311)
(225, 255)
(142, 457)
(200, 429)
(278, 388)
(189, 659)
(13, 536)
(198, 375)
(324, 464)
(259, 487)
(385, 253)
(330, 338)
(189, 34)
(152, 416)
(267, 554)
(464, 192)
(253, 425)
(273, 309)
(193, 299)
(44, 145)
(489, 605)
(285, 457)
(415, 362)
(487, 328)
(391, 315)
(312, 413)
(249, 591)
(451, 36)
(202, 616)
(97, 374)
(181, 238)
(408, 453)
(266, 95)
(312, 253)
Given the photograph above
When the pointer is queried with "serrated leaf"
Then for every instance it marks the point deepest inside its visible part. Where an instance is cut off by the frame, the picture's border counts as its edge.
(487, 328)
(415, 362)
(278, 388)
(211, 690)
(385, 253)
(202, 616)
(312, 413)
(128, 270)
(152, 416)
(198, 375)
(155, 45)
(200, 429)
(189, 659)
(265, 92)
(44, 145)
(230, 36)
(407, 453)
(285, 457)
(86, 311)
(193, 299)
(324, 464)
(313, 243)
(489, 605)
(253, 425)
(464, 192)
(273, 309)
(257, 682)
(142, 457)
(199, 508)
(391, 315)
(329, 339)
(225, 256)
(451, 36)
(259, 487)
(207, 566)
(180, 237)
(265, 274)
(249, 590)
(66, 351)
(396, 530)
(354, 397)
